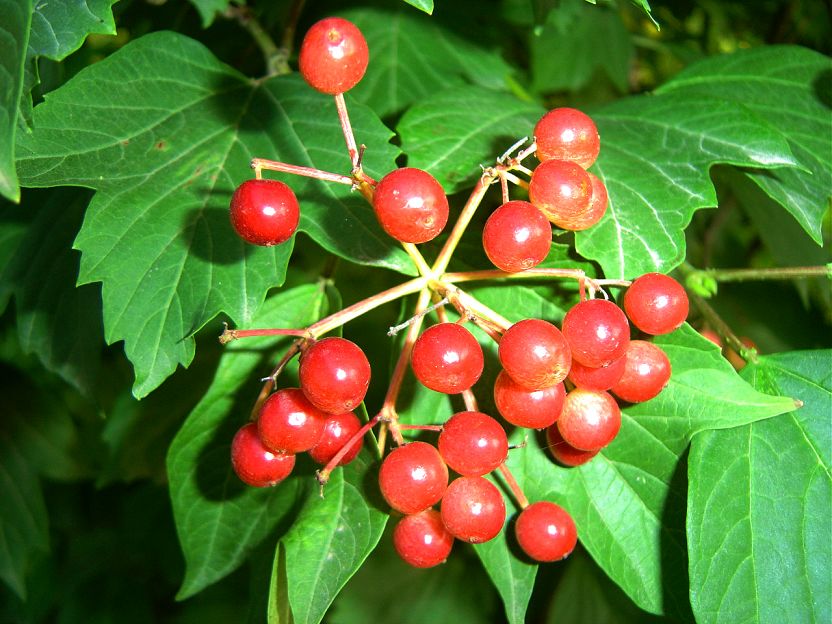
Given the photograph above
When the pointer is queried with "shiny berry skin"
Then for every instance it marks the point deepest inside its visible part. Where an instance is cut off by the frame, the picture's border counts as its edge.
(646, 372)
(254, 463)
(264, 212)
(422, 540)
(594, 211)
(334, 374)
(447, 358)
(563, 452)
(516, 237)
(338, 430)
(560, 189)
(535, 409)
(597, 332)
(602, 378)
(473, 443)
(535, 354)
(590, 420)
(413, 477)
(567, 134)
(411, 205)
(546, 531)
(656, 303)
(473, 509)
(289, 423)
(333, 56)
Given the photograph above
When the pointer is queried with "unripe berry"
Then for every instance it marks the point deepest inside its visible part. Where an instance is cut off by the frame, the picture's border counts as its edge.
(333, 56)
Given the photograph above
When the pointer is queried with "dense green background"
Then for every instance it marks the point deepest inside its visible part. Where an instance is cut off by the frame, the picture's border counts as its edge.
(124, 128)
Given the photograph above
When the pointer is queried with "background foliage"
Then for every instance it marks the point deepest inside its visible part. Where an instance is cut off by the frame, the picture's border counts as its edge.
(124, 128)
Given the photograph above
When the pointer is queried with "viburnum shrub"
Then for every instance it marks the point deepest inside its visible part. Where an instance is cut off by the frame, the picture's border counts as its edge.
(464, 364)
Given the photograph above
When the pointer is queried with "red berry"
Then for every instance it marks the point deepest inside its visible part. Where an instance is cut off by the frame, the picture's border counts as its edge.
(560, 189)
(594, 211)
(334, 374)
(333, 56)
(546, 531)
(656, 303)
(422, 540)
(597, 332)
(264, 212)
(565, 453)
(567, 134)
(535, 354)
(590, 420)
(447, 358)
(473, 509)
(338, 430)
(646, 372)
(517, 236)
(535, 409)
(289, 423)
(411, 205)
(254, 463)
(602, 378)
(473, 443)
(413, 477)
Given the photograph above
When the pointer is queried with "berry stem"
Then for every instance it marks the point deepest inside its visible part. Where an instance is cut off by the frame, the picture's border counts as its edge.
(722, 328)
(774, 273)
(274, 57)
(515, 488)
(271, 381)
(229, 335)
(420, 427)
(471, 307)
(346, 128)
(258, 164)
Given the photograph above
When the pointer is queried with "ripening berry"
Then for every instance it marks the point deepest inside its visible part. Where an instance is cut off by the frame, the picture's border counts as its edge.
(473, 443)
(473, 509)
(656, 303)
(546, 531)
(289, 423)
(422, 540)
(646, 372)
(411, 205)
(264, 212)
(567, 134)
(447, 358)
(560, 189)
(254, 463)
(334, 374)
(535, 354)
(338, 430)
(601, 378)
(333, 56)
(563, 452)
(589, 420)
(535, 409)
(597, 332)
(413, 477)
(516, 237)
(593, 212)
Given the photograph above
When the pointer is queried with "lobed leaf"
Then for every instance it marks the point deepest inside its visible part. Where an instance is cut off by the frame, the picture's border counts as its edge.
(800, 78)
(219, 520)
(174, 129)
(758, 504)
(14, 35)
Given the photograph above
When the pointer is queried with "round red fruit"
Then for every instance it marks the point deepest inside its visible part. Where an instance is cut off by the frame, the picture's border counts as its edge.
(338, 430)
(565, 453)
(590, 420)
(447, 358)
(473, 509)
(546, 531)
(567, 134)
(656, 303)
(535, 409)
(561, 190)
(422, 540)
(597, 332)
(334, 374)
(254, 463)
(411, 205)
(473, 443)
(413, 477)
(602, 378)
(333, 56)
(646, 372)
(289, 423)
(535, 354)
(264, 212)
(517, 236)
(594, 211)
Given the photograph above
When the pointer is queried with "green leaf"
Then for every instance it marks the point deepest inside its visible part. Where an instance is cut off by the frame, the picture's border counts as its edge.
(332, 537)
(576, 43)
(58, 30)
(759, 500)
(208, 9)
(58, 322)
(455, 131)
(219, 520)
(800, 78)
(422, 5)
(164, 154)
(14, 35)
(404, 48)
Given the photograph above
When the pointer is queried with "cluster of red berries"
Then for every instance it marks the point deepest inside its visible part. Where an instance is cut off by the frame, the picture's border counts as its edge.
(318, 417)
(591, 353)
